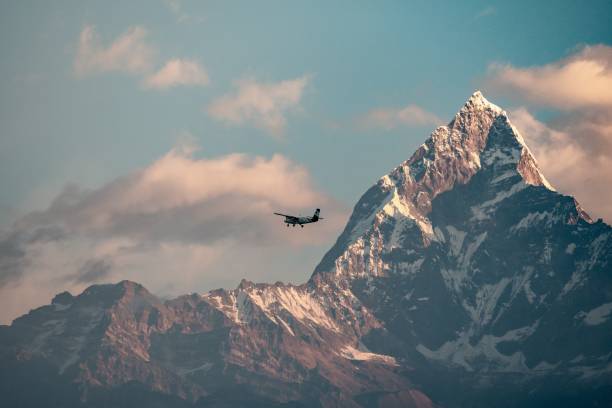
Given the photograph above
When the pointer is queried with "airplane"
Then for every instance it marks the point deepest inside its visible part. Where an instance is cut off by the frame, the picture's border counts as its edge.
(293, 220)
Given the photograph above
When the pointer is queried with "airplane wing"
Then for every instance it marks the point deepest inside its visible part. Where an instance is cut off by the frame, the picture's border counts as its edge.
(285, 215)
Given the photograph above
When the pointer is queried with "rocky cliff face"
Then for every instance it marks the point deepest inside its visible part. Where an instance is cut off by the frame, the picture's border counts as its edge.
(462, 277)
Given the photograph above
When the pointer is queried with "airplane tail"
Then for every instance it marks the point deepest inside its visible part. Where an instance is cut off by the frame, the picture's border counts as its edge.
(315, 217)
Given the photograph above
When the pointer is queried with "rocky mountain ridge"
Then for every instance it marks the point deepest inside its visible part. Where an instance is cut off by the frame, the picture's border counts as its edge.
(461, 269)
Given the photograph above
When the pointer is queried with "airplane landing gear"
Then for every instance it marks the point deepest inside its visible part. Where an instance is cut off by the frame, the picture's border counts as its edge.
(301, 226)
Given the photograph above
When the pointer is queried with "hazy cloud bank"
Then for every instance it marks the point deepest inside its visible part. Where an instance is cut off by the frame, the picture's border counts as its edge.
(180, 225)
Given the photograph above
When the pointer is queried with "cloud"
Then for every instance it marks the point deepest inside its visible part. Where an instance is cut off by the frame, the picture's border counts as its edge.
(131, 53)
(94, 270)
(128, 53)
(582, 80)
(391, 118)
(13, 259)
(263, 105)
(575, 155)
(177, 72)
(487, 11)
(180, 225)
(176, 7)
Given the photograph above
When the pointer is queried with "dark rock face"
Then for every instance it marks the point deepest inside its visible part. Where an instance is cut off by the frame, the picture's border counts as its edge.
(461, 278)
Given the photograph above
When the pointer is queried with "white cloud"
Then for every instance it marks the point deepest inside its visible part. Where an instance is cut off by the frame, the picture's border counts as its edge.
(128, 53)
(131, 53)
(391, 118)
(176, 7)
(177, 72)
(181, 224)
(487, 11)
(263, 105)
(583, 80)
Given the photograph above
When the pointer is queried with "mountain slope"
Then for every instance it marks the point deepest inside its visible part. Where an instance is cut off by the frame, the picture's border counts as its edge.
(280, 344)
(473, 261)
(461, 277)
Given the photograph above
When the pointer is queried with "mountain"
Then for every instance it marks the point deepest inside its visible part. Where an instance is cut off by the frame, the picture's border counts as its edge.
(473, 261)
(462, 278)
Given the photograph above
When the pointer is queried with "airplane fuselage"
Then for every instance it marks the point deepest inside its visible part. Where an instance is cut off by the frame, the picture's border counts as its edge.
(297, 220)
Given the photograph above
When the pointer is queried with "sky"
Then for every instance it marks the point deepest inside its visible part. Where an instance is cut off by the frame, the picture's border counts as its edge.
(152, 140)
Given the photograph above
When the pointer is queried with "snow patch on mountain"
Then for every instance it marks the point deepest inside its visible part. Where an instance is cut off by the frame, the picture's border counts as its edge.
(363, 354)
(397, 208)
(483, 211)
(271, 301)
(486, 300)
(52, 328)
(462, 352)
(531, 219)
(574, 281)
(456, 238)
(463, 247)
(410, 268)
(59, 307)
(598, 315)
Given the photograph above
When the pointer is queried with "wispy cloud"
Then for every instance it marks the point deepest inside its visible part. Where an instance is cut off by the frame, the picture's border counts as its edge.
(93, 270)
(177, 72)
(177, 226)
(582, 80)
(391, 118)
(176, 7)
(487, 11)
(263, 105)
(128, 53)
(131, 53)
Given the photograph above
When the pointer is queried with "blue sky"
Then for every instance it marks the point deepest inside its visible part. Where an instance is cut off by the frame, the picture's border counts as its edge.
(57, 128)
(60, 126)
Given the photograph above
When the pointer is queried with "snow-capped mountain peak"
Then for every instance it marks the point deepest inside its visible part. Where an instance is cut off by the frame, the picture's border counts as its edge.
(478, 102)
(465, 231)
(479, 140)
